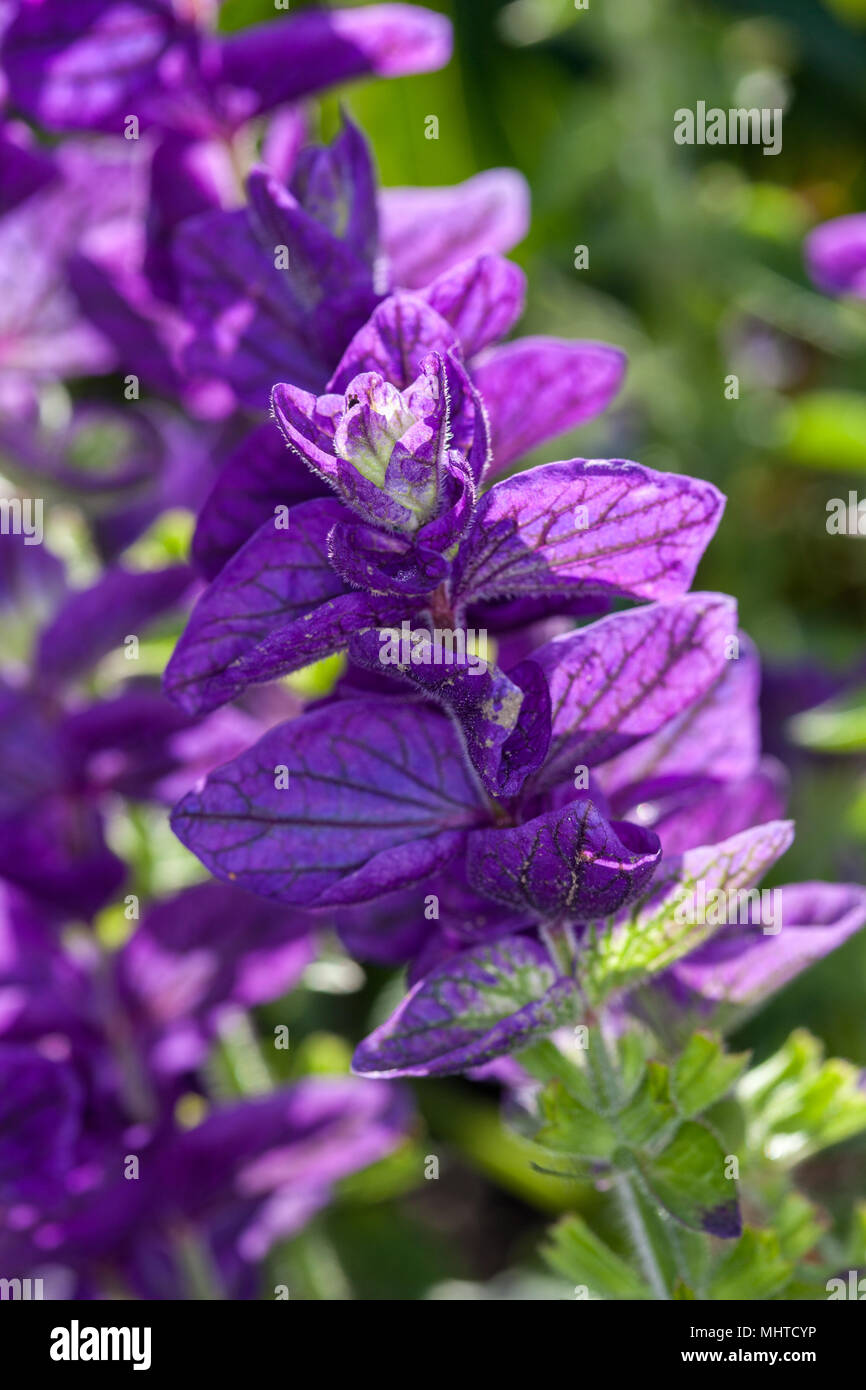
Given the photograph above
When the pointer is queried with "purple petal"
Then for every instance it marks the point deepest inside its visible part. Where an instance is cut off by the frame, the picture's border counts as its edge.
(836, 255)
(394, 342)
(504, 720)
(275, 1158)
(336, 185)
(367, 558)
(744, 965)
(377, 798)
(494, 999)
(39, 1120)
(32, 580)
(187, 177)
(669, 922)
(257, 323)
(570, 861)
(259, 475)
(309, 432)
(140, 745)
(146, 334)
(481, 298)
(536, 388)
(57, 853)
(715, 811)
(327, 629)
(86, 65)
(94, 621)
(286, 58)
(211, 945)
(95, 198)
(598, 526)
(390, 930)
(24, 169)
(621, 679)
(278, 577)
(717, 737)
(426, 231)
(515, 617)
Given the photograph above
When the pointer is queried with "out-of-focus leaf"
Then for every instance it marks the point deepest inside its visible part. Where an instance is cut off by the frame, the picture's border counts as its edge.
(827, 429)
(651, 1111)
(577, 1253)
(799, 1225)
(837, 726)
(570, 1127)
(754, 1268)
(688, 1179)
(704, 1073)
(797, 1104)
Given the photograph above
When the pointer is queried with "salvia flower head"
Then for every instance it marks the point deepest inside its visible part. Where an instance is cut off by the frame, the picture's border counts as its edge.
(396, 457)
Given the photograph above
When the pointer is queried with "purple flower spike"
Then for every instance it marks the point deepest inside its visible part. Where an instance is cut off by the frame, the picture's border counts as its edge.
(836, 255)
(85, 64)
(385, 451)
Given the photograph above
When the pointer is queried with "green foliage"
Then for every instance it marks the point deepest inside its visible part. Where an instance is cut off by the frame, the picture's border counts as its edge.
(704, 1073)
(688, 1178)
(576, 1253)
(797, 1103)
(663, 1160)
(837, 726)
(754, 1268)
(827, 429)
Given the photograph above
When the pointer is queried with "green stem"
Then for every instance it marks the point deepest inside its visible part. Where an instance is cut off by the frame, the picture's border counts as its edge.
(640, 1235)
(607, 1085)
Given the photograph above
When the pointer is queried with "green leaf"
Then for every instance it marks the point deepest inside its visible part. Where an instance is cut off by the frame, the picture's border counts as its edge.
(799, 1225)
(856, 1242)
(797, 1104)
(571, 1127)
(657, 931)
(688, 1179)
(754, 1268)
(838, 726)
(827, 429)
(546, 1062)
(579, 1256)
(632, 1054)
(682, 1292)
(651, 1111)
(704, 1073)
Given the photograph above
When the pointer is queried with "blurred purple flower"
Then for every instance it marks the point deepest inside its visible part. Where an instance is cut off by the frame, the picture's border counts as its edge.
(836, 255)
(89, 64)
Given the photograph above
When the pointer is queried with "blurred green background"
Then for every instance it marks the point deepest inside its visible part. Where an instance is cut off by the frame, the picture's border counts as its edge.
(696, 269)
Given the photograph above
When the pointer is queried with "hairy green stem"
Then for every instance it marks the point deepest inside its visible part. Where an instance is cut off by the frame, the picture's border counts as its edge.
(607, 1084)
(640, 1235)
